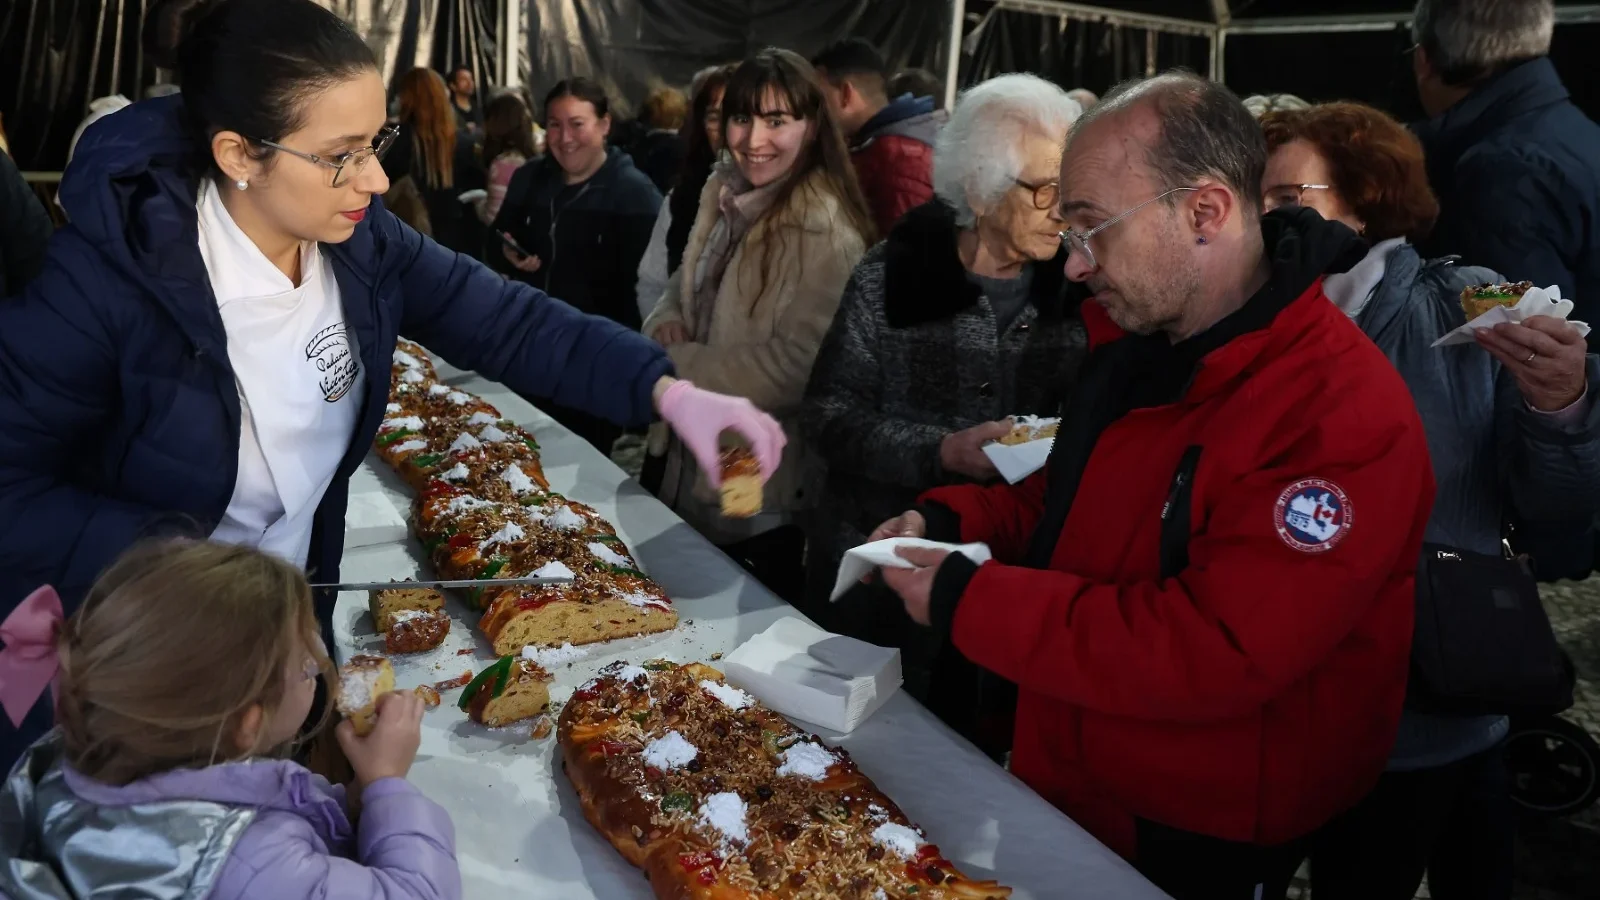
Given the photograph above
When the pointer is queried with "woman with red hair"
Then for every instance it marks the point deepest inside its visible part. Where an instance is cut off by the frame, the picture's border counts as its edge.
(1513, 432)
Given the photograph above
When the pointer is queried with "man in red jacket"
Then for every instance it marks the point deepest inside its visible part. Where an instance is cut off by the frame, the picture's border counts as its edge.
(1205, 599)
(891, 139)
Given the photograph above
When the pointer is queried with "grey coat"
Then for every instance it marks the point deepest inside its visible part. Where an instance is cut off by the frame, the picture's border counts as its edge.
(912, 356)
(1494, 458)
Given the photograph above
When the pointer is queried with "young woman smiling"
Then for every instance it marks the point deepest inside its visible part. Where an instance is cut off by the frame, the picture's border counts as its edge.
(781, 223)
(207, 349)
(583, 214)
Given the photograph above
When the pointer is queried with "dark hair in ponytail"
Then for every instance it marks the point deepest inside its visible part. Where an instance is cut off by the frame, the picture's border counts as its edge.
(249, 65)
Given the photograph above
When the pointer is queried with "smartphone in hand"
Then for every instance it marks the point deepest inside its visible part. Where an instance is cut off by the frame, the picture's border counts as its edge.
(511, 242)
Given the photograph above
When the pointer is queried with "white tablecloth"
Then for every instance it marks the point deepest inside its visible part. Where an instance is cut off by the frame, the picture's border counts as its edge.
(519, 829)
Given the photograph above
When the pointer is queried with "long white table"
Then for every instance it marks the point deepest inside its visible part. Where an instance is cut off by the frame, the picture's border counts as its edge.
(519, 829)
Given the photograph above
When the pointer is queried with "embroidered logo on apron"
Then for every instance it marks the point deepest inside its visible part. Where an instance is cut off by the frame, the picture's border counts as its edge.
(329, 351)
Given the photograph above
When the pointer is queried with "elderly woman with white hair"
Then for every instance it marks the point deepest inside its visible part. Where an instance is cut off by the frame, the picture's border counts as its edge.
(958, 320)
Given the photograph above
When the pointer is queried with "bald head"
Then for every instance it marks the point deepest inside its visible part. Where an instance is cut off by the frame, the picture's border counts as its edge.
(1188, 128)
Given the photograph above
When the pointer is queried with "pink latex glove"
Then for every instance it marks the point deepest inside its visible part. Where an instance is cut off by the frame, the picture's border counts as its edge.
(29, 664)
(699, 418)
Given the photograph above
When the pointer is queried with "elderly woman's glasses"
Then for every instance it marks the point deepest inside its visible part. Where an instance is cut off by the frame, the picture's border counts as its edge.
(1078, 241)
(1045, 195)
(1288, 196)
(346, 166)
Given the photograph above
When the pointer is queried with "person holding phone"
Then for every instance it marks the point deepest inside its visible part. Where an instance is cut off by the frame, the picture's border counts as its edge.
(208, 347)
(580, 219)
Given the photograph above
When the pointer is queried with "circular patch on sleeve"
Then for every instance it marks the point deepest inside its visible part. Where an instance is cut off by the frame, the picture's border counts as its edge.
(1312, 515)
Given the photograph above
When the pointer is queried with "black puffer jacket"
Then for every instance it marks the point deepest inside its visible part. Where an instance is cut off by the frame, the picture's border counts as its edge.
(588, 239)
(913, 355)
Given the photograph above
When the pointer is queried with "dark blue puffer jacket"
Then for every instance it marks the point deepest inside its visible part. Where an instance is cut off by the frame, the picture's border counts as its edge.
(119, 414)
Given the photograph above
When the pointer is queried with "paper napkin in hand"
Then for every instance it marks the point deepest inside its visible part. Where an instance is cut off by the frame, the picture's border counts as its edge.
(370, 519)
(1535, 302)
(1015, 462)
(801, 671)
(858, 561)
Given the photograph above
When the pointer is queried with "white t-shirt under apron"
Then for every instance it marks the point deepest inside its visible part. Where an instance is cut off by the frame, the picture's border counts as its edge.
(299, 377)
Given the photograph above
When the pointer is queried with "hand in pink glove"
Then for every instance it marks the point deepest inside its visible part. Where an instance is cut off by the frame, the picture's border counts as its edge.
(699, 417)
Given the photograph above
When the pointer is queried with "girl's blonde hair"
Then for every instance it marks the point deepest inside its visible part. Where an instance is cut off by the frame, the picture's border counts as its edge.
(171, 647)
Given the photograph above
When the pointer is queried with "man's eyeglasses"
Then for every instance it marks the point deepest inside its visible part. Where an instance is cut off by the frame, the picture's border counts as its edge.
(1281, 196)
(1078, 242)
(1045, 195)
(346, 166)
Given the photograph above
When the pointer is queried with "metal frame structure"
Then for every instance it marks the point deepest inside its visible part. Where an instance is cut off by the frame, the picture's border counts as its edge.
(1217, 32)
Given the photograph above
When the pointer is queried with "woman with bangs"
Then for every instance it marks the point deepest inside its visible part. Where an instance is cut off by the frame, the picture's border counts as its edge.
(781, 224)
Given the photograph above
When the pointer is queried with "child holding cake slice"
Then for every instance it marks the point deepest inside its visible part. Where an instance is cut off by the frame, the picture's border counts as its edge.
(180, 685)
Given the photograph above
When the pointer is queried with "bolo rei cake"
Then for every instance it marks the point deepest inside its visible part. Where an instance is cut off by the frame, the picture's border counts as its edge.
(718, 798)
(362, 681)
(484, 510)
(511, 689)
(1030, 428)
(411, 620)
(1480, 298)
(741, 484)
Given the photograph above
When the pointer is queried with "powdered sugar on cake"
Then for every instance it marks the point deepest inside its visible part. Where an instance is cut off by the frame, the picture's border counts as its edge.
(511, 531)
(607, 555)
(518, 480)
(731, 697)
(465, 441)
(898, 839)
(554, 657)
(555, 569)
(670, 751)
(725, 812)
(807, 760)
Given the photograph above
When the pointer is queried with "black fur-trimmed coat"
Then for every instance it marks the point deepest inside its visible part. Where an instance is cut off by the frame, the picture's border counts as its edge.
(913, 356)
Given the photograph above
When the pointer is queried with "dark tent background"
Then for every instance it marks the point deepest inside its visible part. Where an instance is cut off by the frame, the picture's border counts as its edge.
(60, 54)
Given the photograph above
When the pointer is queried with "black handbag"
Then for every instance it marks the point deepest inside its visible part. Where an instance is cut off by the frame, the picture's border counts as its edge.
(1483, 644)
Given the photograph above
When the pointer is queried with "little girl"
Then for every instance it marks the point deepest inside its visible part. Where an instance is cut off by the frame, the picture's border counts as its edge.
(183, 680)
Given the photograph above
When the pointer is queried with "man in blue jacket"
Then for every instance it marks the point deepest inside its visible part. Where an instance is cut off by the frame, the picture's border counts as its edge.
(1515, 164)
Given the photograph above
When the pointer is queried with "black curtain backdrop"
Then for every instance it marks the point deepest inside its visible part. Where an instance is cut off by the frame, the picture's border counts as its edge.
(1073, 53)
(60, 54)
(631, 46)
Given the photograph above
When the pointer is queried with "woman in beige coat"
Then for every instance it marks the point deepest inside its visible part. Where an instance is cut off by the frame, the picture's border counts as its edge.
(781, 225)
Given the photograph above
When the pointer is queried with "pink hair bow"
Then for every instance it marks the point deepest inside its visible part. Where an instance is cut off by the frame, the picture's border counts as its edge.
(29, 662)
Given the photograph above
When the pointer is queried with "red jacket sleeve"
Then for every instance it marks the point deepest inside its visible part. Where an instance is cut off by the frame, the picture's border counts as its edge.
(1001, 515)
(1248, 617)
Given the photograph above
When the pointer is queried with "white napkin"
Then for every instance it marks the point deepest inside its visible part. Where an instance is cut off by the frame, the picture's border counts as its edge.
(473, 196)
(1017, 461)
(371, 519)
(801, 671)
(1536, 302)
(858, 561)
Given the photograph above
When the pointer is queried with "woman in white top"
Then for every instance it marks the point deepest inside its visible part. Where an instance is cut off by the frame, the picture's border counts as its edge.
(207, 349)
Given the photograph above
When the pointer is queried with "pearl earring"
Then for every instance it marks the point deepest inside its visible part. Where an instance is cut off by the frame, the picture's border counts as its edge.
(241, 184)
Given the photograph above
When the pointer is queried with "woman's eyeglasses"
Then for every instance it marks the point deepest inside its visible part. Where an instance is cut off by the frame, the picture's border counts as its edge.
(1044, 195)
(1288, 196)
(346, 166)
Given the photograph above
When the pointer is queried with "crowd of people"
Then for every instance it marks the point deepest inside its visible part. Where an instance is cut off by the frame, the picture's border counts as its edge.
(1253, 611)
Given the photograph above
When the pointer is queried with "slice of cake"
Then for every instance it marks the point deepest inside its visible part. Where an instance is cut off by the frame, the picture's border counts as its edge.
(362, 681)
(594, 608)
(1480, 298)
(741, 484)
(385, 603)
(510, 690)
(416, 630)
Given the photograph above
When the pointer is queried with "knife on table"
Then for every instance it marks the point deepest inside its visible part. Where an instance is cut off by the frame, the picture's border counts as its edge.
(530, 581)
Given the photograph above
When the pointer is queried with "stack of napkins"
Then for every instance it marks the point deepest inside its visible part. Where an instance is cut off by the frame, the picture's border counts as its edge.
(801, 671)
(371, 519)
(1535, 302)
(859, 561)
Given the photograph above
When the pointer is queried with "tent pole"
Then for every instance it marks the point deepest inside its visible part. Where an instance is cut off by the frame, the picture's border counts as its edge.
(952, 62)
